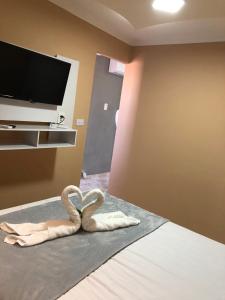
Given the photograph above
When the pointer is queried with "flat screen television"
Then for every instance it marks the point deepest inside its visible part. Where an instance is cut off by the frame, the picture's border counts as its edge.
(31, 76)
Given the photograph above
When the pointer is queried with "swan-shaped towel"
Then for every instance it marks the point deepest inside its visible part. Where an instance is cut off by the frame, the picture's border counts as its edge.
(103, 221)
(29, 234)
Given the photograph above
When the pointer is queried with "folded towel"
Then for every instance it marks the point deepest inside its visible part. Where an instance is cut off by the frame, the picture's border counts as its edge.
(48, 232)
(103, 221)
(29, 234)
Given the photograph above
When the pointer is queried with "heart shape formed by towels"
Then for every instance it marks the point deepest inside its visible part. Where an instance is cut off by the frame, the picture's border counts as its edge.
(87, 198)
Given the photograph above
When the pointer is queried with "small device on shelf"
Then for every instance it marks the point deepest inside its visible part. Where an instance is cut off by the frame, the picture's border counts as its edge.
(7, 126)
(59, 124)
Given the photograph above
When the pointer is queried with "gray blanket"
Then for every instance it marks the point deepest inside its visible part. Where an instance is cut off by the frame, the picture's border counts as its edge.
(49, 270)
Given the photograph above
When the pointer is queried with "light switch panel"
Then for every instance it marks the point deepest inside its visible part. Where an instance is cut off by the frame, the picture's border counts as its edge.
(106, 105)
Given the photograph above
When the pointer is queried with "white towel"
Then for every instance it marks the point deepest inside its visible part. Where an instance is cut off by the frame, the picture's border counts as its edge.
(103, 221)
(29, 234)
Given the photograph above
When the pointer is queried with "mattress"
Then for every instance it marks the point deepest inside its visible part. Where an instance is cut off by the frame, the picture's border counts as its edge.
(172, 263)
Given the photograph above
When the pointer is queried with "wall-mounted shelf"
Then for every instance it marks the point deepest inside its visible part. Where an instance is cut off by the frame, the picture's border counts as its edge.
(36, 137)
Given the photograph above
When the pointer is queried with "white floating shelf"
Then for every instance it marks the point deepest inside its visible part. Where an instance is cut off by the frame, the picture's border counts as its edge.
(36, 137)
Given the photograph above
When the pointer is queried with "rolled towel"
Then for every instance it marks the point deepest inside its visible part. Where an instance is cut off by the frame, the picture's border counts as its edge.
(29, 234)
(104, 221)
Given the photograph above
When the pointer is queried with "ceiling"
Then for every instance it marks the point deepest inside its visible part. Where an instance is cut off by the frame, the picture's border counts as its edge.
(136, 23)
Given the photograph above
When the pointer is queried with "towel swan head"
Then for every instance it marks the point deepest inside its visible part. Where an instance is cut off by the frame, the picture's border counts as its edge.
(69, 206)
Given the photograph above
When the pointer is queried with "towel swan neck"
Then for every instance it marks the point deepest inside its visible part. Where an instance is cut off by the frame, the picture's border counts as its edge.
(69, 206)
(88, 223)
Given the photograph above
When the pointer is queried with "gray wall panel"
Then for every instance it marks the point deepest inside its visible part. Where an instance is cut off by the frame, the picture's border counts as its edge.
(101, 126)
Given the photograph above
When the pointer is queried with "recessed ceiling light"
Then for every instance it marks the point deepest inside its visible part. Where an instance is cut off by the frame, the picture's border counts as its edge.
(170, 6)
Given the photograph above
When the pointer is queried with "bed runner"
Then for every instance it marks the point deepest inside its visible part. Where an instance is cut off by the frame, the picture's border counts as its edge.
(49, 270)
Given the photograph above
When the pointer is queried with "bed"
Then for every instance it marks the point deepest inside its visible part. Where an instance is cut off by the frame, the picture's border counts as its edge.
(170, 263)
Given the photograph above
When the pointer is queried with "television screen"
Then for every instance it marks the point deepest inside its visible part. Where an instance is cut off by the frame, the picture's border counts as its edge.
(30, 76)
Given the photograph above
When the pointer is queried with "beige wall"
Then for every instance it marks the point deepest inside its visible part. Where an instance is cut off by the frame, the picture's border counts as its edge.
(176, 163)
(37, 24)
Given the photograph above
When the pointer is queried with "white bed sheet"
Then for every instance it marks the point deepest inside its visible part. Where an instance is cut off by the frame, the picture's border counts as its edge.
(172, 263)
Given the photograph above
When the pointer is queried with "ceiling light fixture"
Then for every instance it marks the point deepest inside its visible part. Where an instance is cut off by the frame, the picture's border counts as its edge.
(170, 6)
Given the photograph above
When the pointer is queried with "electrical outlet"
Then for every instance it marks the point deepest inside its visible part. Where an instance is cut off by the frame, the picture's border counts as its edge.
(80, 122)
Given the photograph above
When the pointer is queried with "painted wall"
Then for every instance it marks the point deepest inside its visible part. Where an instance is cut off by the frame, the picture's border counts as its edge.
(175, 165)
(33, 175)
(101, 127)
(126, 125)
